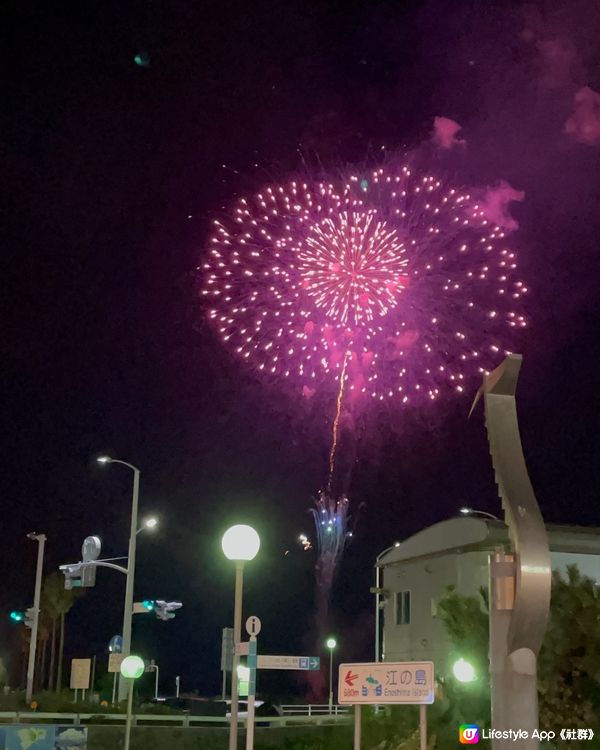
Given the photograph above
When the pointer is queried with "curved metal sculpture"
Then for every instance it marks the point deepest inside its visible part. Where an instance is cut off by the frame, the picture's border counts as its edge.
(517, 628)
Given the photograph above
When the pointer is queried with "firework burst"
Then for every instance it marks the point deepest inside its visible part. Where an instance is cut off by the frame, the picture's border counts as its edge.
(396, 286)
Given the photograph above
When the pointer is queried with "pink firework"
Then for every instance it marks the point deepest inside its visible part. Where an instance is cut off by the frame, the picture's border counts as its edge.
(393, 285)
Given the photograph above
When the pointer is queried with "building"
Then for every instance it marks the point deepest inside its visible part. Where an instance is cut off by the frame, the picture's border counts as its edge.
(415, 574)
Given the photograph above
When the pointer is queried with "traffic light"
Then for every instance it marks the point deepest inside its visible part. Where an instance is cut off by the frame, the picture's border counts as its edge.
(17, 616)
(165, 610)
(149, 604)
(163, 613)
(29, 617)
(72, 575)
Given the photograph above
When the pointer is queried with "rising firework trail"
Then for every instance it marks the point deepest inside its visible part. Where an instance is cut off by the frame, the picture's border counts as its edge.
(392, 285)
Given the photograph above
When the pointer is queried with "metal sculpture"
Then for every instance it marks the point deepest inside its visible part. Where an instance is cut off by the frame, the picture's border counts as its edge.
(520, 582)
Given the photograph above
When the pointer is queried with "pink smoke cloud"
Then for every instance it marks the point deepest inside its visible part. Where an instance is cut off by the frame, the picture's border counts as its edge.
(558, 61)
(496, 202)
(584, 124)
(445, 133)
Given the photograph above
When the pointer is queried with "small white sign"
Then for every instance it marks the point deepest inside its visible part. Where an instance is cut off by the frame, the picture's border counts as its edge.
(409, 682)
(267, 661)
(242, 649)
(80, 674)
(253, 625)
(114, 662)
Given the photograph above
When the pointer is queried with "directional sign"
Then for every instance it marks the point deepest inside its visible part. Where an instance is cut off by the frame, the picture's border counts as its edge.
(253, 625)
(289, 662)
(386, 682)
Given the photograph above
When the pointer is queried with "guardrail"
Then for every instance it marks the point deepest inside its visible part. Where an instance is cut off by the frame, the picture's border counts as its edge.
(313, 709)
(180, 720)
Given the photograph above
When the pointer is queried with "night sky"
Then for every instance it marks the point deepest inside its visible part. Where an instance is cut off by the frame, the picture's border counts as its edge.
(112, 173)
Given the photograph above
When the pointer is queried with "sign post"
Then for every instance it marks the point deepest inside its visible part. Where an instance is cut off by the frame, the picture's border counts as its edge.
(80, 675)
(115, 657)
(227, 648)
(382, 683)
(253, 626)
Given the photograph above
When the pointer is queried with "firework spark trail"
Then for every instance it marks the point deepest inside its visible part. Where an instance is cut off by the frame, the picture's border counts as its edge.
(336, 422)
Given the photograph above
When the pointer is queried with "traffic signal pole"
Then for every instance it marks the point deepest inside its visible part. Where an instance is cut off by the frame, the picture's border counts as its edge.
(41, 540)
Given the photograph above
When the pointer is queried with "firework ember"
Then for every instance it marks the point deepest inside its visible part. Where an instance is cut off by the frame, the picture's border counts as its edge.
(399, 281)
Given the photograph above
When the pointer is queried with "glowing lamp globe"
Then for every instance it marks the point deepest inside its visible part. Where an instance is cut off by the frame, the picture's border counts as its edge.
(463, 671)
(240, 543)
(331, 643)
(132, 667)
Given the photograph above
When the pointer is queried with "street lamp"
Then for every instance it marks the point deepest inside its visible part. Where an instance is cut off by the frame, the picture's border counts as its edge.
(331, 643)
(153, 667)
(463, 671)
(377, 590)
(148, 523)
(128, 612)
(470, 512)
(240, 543)
(132, 667)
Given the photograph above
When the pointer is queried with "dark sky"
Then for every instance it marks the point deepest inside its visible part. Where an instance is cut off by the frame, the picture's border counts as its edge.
(104, 347)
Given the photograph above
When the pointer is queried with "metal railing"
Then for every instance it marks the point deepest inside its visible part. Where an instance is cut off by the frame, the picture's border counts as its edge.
(313, 709)
(180, 720)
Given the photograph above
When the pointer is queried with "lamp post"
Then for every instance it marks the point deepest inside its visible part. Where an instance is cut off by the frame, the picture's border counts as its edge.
(470, 512)
(331, 644)
(240, 543)
(132, 667)
(377, 591)
(128, 610)
(41, 540)
(153, 667)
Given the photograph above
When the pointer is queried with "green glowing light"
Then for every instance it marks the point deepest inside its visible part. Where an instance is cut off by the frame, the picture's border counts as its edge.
(132, 667)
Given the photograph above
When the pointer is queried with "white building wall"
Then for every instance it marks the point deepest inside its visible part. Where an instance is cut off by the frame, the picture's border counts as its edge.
(425, 638)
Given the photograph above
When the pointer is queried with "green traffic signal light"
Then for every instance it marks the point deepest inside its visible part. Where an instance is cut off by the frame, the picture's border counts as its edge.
(149, 604)
(16, 616)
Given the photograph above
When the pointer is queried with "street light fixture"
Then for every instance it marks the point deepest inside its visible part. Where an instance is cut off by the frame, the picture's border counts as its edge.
(132, 667)
(240, 544)
(128, 611)
(331, 643)
(377, 590)
(464, 671)
(470, 512)
(148, 524)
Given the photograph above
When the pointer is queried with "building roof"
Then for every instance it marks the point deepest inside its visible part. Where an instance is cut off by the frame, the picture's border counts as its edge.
(469, 533)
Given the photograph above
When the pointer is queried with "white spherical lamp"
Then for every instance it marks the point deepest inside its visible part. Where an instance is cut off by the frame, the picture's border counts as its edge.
(240, 543)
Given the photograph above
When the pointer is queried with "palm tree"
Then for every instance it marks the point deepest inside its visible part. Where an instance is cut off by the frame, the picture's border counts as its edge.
(56, 602)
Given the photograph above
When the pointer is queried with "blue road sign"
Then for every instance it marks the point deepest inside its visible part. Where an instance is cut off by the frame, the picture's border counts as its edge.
(116, 645)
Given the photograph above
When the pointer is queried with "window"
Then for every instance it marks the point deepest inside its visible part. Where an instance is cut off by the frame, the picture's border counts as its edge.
(403, 608)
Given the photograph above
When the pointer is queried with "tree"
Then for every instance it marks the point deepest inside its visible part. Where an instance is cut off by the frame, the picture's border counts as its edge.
(569, 660)
(56, 603)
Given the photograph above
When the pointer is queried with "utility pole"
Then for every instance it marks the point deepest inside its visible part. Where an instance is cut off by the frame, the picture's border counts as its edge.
(41, 540)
